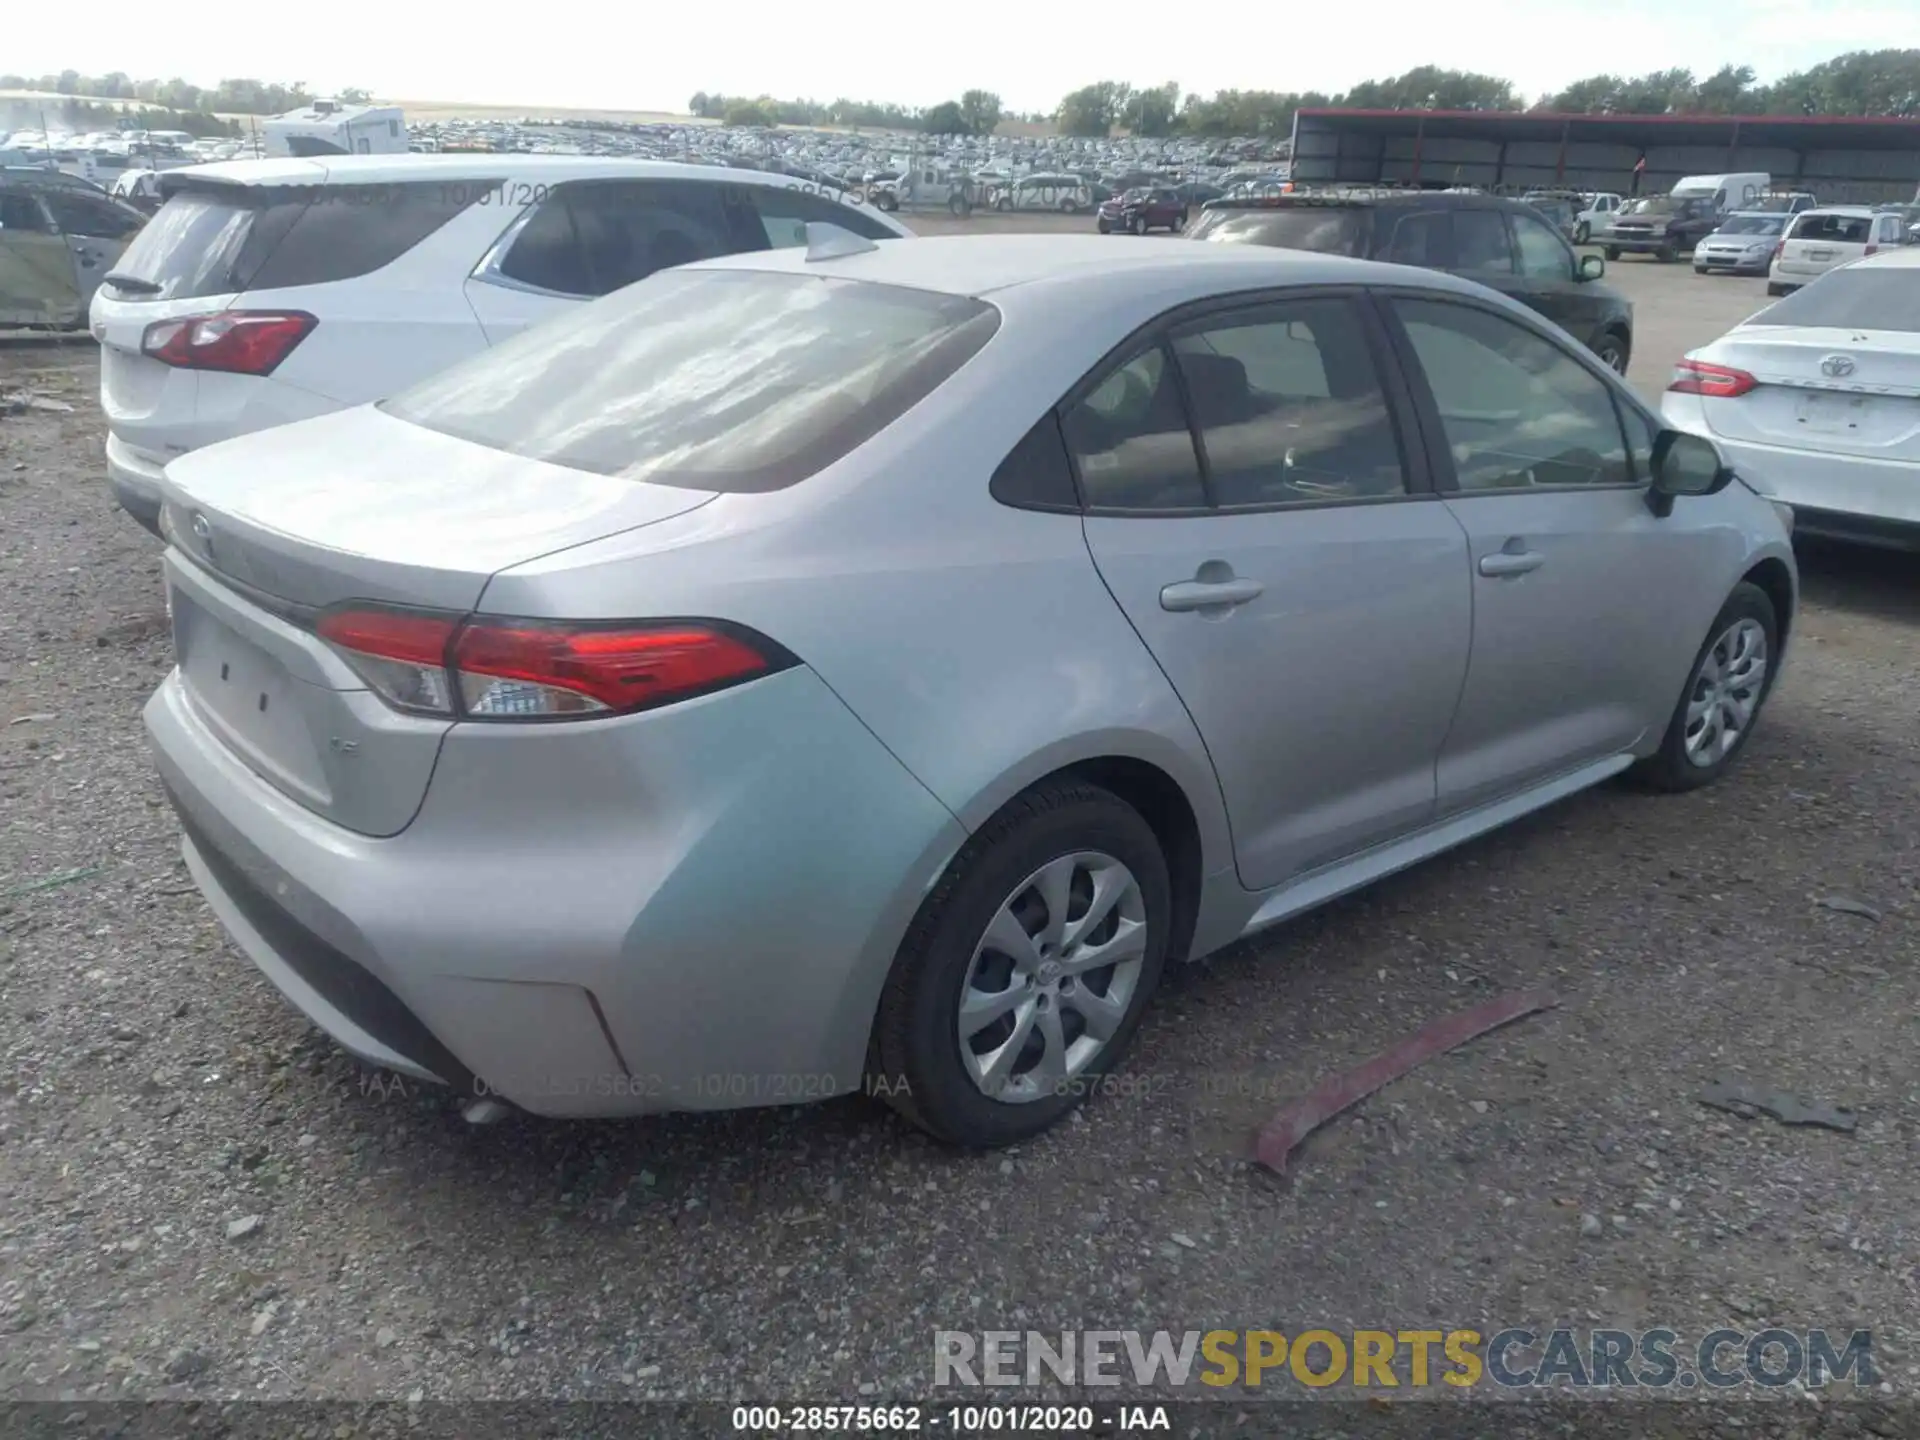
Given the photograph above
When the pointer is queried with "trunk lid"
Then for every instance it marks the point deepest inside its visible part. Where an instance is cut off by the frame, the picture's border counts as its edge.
(359, 505)
(1870, 408)
(269, 528)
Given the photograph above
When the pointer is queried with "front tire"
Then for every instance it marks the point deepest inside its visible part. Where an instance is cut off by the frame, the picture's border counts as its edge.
(1613, 253)
(1582, 233)
(1730, 681)
(1105, 228)
(1776, 290)
(1138, 225)
(1026, 970)
(1611, 350)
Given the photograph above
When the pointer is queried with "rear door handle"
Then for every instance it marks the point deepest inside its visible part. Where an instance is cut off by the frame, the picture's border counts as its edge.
(1511, 562)
(1209, 594)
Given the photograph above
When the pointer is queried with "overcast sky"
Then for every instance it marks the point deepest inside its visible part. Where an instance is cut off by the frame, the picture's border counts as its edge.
(654, 55)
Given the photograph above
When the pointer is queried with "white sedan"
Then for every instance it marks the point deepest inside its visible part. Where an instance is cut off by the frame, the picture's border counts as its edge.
(1816, 400)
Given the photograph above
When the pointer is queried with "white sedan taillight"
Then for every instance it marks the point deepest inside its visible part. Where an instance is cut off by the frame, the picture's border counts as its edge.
(495, 668)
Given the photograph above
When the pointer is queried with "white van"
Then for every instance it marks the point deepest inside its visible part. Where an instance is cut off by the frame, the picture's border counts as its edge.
(1728, 192)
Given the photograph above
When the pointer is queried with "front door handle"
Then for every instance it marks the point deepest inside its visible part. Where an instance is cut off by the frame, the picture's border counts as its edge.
(1511, 562)
(1209, 594)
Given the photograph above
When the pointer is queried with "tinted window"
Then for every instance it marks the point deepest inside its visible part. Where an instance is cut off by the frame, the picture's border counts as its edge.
(346, 231)
(90, 216)
(214, 241)
(1130, 440)
(1480, 245)
(1289, 407)
(1543, 254)
(1422, 239)
(1518, 411)
(741, 381)
(592, 237)
(786, 213)
(1037, 472)
(1328, 230)
(1858, 297)
(21, 212)
(546, 251)
(1840, 229)
(191, 247)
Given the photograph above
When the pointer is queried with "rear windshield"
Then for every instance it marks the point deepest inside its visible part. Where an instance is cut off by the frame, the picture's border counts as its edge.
(1752, 224)
(733, 380)
(1843, 229)
(1857, 297)
(218, 240)
(1330, 231)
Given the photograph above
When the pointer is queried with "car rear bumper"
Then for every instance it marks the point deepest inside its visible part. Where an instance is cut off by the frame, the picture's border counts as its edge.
(135, 481)
(679, 924)
(1847, 495)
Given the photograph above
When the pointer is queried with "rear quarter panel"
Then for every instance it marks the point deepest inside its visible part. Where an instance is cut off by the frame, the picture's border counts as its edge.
(975, 640)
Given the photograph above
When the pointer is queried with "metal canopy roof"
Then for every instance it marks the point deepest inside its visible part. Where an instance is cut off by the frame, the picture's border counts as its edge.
(1790, 132)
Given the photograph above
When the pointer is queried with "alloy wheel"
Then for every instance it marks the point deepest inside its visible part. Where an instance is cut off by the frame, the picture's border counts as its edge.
(1726, 692)
(1053, 977)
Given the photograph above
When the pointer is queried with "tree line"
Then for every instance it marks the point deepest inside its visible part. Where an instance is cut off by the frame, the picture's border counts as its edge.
(1863, 82)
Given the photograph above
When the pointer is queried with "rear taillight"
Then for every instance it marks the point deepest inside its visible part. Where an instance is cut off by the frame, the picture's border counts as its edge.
(1722, 382)
(242, 342)
(1779, 248)
(1871, 248)
(492, 668)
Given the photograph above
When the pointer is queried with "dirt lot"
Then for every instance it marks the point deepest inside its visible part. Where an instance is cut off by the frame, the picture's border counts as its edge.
(157, 1092)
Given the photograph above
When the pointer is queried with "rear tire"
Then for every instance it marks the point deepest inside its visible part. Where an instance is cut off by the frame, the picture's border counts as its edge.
(923, 1066)
(1732, 676)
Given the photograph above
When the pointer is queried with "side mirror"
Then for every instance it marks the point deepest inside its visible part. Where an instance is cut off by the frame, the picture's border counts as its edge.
(1685, 464)
(1591, 267)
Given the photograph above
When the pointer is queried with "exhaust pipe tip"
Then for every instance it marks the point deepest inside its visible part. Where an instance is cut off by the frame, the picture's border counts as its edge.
(485, 1112)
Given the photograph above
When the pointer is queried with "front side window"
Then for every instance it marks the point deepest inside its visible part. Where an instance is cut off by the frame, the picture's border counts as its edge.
(1130, 440)
(1543, 254)
(1289, 406)
(85, 215)
(1519, 412)
(1480, 243)
(732, 380)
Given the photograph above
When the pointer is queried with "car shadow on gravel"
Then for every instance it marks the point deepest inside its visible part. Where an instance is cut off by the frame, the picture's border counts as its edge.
(1859, 578)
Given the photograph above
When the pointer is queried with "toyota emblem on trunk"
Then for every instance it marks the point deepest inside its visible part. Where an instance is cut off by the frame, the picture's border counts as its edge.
(1837, 365)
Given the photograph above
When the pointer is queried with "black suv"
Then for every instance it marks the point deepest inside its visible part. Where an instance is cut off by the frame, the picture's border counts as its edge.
(1501, 243)
(1664, 226)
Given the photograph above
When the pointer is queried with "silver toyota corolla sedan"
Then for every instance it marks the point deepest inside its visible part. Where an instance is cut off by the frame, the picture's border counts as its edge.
(864, 666)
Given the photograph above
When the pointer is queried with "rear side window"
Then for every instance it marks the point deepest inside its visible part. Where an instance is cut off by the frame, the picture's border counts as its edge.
(1327, 229)
(1840, 229)
(207, 241)
(1424, 239)
(592, 237)
(1037, 475)
(1856, 297)
(1289, 406)
(1480, 243)
(733, 380)
(1131, 441)
(786, 212)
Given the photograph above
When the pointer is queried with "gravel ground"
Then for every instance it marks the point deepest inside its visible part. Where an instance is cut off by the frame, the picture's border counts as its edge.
(200, 1196)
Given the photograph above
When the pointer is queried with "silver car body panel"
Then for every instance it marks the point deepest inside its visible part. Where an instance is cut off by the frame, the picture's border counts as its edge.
(736, 872)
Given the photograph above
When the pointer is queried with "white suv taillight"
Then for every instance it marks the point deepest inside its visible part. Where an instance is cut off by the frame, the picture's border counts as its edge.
(495, 668)
(240, 342)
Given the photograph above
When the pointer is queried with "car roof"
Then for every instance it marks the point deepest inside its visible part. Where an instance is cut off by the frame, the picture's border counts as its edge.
(396, 169)
(990, 265)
